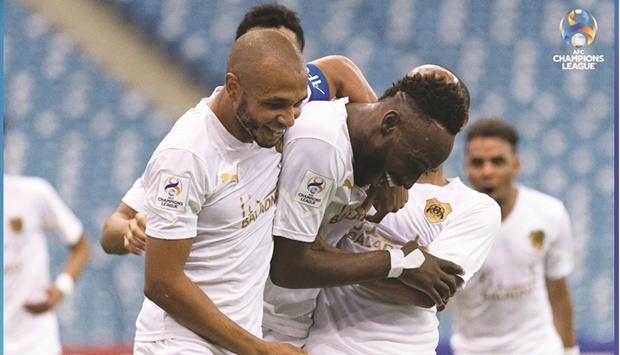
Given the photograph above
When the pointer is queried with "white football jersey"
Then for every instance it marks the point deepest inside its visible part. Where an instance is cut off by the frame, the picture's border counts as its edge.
(455, 222)
(316, 195)
(505, 308)
(32, 208)
(203, 183)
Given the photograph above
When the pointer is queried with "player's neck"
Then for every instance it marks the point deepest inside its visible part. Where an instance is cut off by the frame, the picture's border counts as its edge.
(435, 178)
(509, 203)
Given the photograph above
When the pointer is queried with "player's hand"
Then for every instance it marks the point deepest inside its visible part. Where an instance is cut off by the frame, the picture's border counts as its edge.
(436, 277)
(135, 237)
(384, 199)
(54, 297)
(276, 348)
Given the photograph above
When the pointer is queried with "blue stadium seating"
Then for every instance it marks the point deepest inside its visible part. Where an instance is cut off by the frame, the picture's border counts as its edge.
(91, 136)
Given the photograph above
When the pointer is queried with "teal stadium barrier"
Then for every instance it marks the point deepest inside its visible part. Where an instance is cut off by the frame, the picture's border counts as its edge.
(91, 136)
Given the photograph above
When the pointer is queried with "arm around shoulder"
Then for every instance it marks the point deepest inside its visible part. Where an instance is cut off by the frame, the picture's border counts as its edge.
(345, 79)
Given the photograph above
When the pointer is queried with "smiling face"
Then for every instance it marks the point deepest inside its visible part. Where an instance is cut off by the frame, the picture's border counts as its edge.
(491, 165)
(266, 114)
(267, 100)
(411, 148)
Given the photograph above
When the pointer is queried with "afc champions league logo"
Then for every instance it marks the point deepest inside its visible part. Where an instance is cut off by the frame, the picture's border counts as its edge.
(173, 187)
(316, 185)
(578, 28)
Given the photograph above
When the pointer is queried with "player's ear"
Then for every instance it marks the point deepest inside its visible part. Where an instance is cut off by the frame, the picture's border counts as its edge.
(464, 122)
(232, 86)
(390, 120)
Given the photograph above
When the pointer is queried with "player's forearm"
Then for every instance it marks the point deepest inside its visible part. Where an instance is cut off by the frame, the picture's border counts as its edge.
(78, 257)
(183, 300)
(562, 309)
(112, 238)
(302, 265)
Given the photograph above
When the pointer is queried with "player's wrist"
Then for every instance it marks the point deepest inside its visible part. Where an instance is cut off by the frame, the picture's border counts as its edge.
(396, 255)
(65, 283)
(399, 261)
(573, 350)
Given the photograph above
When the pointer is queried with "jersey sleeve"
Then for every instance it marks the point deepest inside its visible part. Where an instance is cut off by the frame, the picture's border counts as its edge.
(467, 240)
(318, 88)
(559, 262)
(307, 184)
(58, 217)
(134, 197)
(175, 190)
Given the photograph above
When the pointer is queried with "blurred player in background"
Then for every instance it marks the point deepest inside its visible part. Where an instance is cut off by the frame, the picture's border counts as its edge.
(519, 302)
(32, 211)
(453, 221)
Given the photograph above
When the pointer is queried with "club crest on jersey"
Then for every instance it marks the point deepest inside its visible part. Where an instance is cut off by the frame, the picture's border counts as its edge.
(313, 189)
(17, 224)
(172, 192)
(537, 238)
(436, 211)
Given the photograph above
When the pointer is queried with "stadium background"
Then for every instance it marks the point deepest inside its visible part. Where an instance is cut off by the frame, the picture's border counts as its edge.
(87, 121)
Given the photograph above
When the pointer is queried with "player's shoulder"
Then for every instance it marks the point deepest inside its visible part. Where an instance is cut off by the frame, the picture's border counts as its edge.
(323, 120)
(538, 198)
(30, 182)
(470, 195)
(29, 187)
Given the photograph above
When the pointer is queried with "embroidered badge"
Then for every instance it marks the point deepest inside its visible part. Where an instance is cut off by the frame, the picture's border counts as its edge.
(537, 238)
(17, 224)
(313, 189)
(436, 211)
(230, 176)
(172, 192)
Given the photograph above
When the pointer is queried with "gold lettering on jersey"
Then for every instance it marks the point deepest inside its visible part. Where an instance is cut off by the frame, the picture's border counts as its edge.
(347, 213)
(17, 224)
(369, 237)
(436, 211)
(498, 290)
(347, 183)
(537, 238)
(252, 209)
(230, 177)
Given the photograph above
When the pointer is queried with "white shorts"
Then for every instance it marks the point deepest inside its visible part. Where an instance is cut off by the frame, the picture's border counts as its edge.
(177, 346)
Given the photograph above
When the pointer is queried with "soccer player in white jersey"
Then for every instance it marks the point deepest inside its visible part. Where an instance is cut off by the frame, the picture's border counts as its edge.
(331, 156)
(328, 77)
(519, 302)
(210, 194)
(452, 220)
(32, 209)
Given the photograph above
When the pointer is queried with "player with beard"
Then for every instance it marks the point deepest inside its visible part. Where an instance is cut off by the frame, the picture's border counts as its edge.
(206, 263)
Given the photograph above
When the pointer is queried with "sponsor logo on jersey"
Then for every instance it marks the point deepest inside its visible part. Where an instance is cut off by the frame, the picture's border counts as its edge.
(230, 176)
(436, 211)
(537, 238)
(251, 208)
(313, 189)
(369, 236)
(173, 191)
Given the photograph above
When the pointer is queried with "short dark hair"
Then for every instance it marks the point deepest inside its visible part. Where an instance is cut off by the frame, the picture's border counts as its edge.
(440, 100)
(493, 128)
(272, 16)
